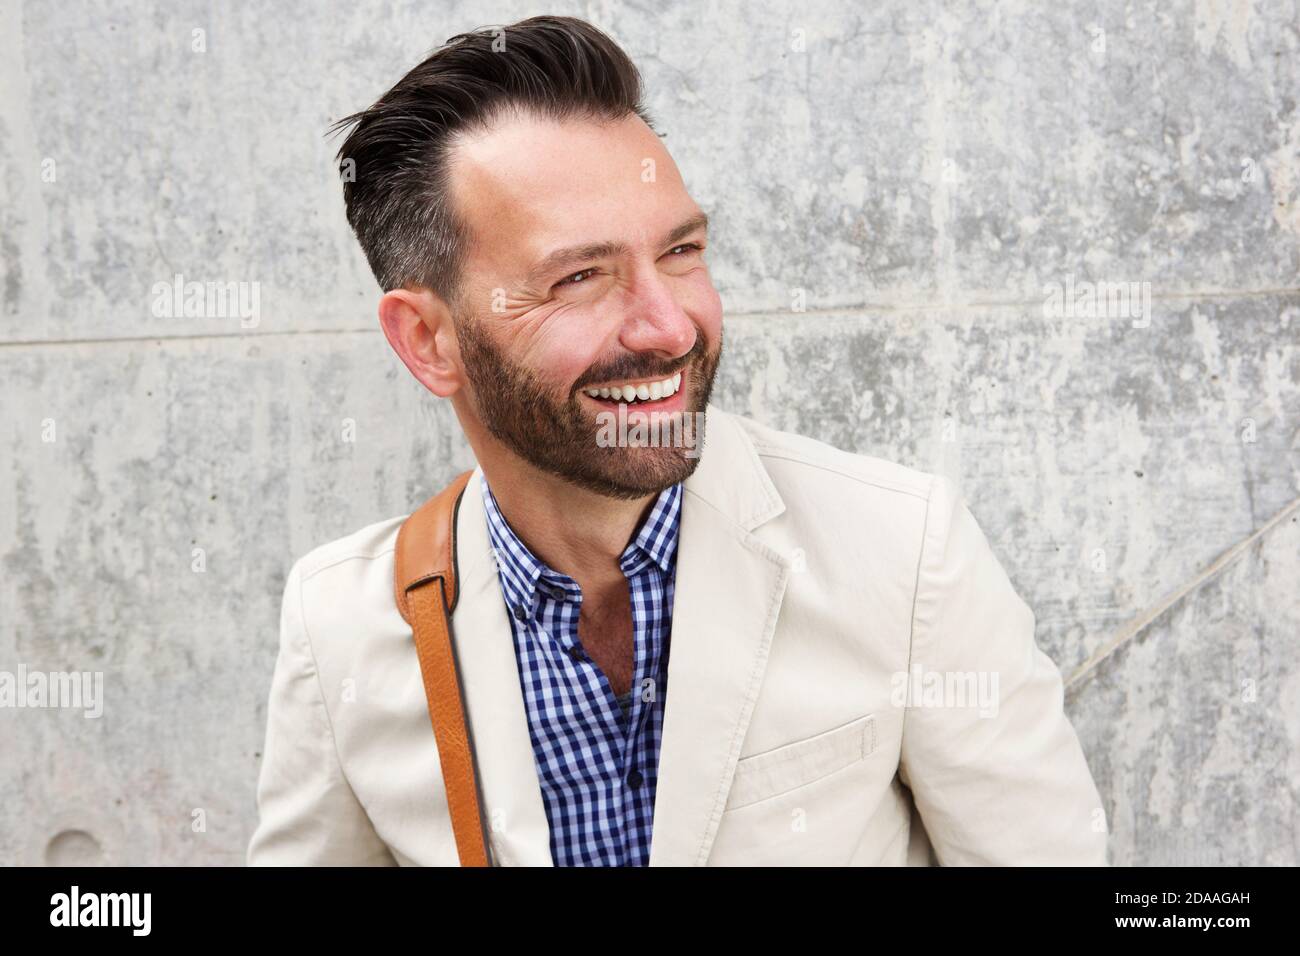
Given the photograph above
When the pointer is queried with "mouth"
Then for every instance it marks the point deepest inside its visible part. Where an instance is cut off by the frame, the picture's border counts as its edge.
(667, 394)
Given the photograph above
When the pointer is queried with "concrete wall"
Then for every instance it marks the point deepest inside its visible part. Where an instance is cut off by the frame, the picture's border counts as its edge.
(892, 188)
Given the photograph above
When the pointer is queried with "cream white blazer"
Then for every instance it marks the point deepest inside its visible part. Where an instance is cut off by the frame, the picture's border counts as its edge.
(829, 609)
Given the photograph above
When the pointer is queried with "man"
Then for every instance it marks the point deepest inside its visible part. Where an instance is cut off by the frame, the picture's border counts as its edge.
(759, 651)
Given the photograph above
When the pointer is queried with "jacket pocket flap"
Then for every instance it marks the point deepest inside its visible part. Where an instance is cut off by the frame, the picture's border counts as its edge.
(774, 772)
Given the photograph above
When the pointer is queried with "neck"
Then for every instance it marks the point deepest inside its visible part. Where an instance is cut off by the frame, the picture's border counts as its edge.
(571, 529)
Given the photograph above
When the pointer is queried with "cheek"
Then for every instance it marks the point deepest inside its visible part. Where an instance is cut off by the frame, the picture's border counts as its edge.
(702, 303)
(568, 365)
(564, 347)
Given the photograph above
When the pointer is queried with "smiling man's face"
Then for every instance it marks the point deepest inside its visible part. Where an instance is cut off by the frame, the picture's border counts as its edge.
(585, 272)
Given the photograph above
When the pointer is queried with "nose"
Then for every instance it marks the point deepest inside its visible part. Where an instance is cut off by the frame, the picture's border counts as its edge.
(655, 321)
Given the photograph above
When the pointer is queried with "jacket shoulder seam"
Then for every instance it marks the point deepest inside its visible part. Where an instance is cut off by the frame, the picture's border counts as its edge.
(343, 559)
(767, 451)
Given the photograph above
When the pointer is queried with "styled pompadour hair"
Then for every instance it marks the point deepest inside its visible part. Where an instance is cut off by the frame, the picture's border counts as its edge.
(394, 161)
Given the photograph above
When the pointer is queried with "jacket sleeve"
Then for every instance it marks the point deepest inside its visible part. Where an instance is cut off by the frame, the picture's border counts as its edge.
(999, 777)
(308, 814)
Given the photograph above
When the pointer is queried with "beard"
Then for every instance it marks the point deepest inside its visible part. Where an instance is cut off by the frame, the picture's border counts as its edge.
(560, 436)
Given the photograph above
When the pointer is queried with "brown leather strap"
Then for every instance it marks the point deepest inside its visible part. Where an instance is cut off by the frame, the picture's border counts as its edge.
(424, 580)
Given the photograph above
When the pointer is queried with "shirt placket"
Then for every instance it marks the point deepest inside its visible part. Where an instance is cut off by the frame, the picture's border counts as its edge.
(609, 729)
(641, 584)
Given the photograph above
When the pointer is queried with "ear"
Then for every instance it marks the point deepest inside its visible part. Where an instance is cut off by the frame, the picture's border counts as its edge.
(419, 326)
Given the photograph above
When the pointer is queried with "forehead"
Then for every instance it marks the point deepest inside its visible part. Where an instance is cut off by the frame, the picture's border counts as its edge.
(529, 185)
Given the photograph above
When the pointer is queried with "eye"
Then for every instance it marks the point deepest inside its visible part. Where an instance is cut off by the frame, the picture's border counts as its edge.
(692, 246)
(576, 278)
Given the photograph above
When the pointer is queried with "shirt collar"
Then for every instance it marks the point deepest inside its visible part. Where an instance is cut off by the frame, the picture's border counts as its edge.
(657, 539)
(522, 572)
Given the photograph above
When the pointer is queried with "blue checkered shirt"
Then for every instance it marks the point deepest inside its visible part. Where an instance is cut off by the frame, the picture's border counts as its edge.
(597, 765)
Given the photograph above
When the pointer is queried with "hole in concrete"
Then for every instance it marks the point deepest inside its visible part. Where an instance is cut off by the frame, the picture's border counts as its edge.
(73, 848)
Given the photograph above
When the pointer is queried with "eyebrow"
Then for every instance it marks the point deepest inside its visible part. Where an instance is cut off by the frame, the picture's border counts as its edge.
(571, 256)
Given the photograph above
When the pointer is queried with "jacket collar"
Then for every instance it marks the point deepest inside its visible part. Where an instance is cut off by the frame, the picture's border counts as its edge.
(730, 477)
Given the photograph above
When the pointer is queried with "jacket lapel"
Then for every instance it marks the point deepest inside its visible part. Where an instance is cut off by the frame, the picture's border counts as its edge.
(512, 799)
(727, 598)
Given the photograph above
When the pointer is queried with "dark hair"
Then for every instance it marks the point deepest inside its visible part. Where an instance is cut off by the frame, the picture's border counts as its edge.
(397, 189)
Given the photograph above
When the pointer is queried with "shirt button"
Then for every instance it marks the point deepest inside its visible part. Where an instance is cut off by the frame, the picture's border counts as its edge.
(634, 779)
(521, 613)
(575, 652)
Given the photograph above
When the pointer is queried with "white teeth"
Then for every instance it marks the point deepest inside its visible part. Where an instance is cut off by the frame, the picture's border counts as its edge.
(638, 393)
